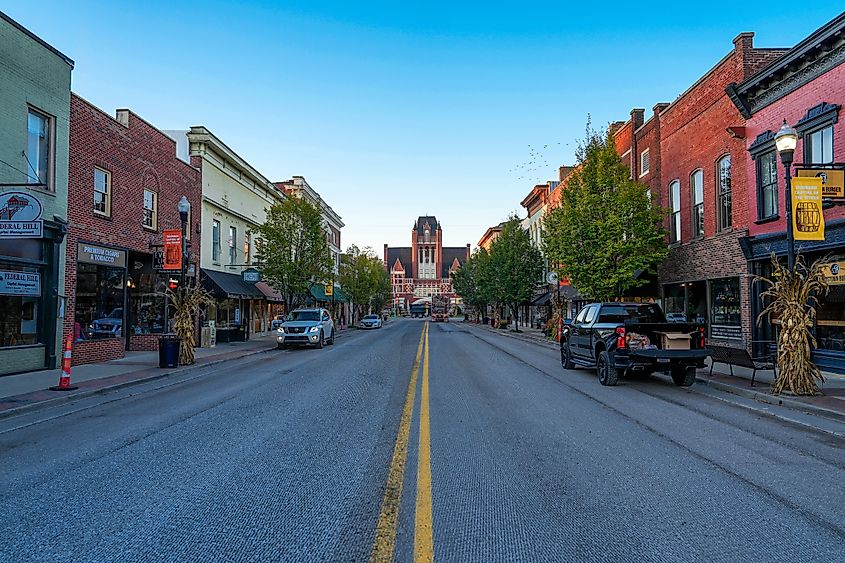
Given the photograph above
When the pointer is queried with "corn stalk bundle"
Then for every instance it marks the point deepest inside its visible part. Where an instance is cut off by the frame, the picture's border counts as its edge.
(186, 303)
(793, 299)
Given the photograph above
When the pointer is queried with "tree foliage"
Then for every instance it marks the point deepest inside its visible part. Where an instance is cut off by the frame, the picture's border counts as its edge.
(606, 232)
(364, 278)
(467, 281)
(294, 252)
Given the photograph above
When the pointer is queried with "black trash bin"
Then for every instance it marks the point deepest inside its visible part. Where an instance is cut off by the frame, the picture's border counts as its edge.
(168, 351)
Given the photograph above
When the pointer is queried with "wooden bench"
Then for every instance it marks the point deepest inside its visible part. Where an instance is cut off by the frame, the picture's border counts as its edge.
(740, 357)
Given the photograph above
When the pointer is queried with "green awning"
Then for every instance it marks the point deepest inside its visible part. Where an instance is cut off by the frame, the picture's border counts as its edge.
(318, 292)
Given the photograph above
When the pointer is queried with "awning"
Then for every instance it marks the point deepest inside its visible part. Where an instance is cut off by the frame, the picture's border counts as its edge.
(225, 285)
(318, 292)
(542, 299)
(270, 294)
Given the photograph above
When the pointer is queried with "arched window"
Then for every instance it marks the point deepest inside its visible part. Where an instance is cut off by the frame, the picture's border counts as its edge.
(723, 191)
(675, 219)
(696, 188)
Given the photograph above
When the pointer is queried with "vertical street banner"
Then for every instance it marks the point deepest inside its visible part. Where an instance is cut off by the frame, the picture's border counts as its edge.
(172, 250)
(807, 215)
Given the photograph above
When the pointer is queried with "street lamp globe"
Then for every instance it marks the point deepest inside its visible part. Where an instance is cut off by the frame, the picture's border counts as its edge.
(786, 139)
(184, 208)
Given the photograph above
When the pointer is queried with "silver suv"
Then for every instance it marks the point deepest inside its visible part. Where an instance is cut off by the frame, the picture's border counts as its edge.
(306, 327)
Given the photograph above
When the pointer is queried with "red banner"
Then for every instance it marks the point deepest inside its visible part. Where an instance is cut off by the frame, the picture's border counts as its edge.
(172, 250)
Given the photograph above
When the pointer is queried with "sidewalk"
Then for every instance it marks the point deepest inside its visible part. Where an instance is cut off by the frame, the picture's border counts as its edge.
(25, 391)
(831, 403)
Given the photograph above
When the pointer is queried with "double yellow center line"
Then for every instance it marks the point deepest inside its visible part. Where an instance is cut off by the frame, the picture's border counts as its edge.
(384, 544)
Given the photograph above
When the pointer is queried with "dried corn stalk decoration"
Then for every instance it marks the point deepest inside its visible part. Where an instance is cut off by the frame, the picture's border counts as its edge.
(793, 300)
(186, 303)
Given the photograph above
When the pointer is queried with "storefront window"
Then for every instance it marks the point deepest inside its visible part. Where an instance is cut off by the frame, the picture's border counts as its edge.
(146, 300)
(20, 291)
(725, 308)
(99, 301)
(830, 320)
(228, 314)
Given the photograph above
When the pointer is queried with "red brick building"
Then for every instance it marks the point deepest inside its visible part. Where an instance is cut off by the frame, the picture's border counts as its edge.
(701, 138)
(422, 270)
(805, 87)
(124, 183)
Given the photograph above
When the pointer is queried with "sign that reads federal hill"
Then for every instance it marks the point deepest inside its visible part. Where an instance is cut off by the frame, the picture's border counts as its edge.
(20, 215)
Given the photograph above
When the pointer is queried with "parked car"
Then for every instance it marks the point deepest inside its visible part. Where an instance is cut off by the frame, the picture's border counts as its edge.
(306, 327)
(108, 326)
(622, 338)
(371, 321)
(277, 322)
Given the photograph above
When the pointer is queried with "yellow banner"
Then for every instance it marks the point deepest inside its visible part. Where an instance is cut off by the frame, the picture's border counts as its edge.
(834, 273)
(807, 216)
(833, 181)
(329, 289)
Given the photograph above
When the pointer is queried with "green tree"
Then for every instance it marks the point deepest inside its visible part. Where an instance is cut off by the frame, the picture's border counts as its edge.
(606, 232)
(294, 253)
(468, 279)
(515, 267)
(365, 279)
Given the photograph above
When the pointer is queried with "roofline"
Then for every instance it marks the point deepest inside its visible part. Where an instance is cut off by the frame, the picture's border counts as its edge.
(43, 43)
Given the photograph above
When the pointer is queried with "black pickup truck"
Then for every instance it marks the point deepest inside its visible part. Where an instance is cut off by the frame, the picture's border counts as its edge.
(620, 338)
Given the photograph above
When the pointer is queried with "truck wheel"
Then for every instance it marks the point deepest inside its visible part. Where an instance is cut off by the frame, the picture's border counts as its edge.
(608, 375)
(320, 341)
(684, 377)
(566, 356)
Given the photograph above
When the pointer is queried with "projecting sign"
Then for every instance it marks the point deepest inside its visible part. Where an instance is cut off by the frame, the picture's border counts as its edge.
(833, 181)
(172, 250)
(102, 256)
(834, 273)
(20, 215)
(251, 275)
(807, 216)
(20, 283)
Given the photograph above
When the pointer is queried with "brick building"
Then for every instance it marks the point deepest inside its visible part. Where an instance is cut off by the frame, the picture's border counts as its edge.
(701, 136)
(422, 270)
(805, 87)
(125, 181)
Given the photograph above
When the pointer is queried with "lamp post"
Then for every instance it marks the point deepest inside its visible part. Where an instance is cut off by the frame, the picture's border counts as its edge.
(184, 207)
(786, 139)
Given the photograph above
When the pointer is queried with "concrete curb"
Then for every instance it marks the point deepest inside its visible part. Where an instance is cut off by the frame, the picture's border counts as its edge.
(517, 336)
(763, 397)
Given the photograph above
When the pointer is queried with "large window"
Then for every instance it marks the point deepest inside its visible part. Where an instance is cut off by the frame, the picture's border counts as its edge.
(19, 305)
(99, 301)
(767, 186)
(725, 308)
(38, 149)
(233, 245)
(819, 146)
(247, 246)
(696, 182)
(150, 210)
(102, 192)
(675, 220)
(215, 240)
(724, 192)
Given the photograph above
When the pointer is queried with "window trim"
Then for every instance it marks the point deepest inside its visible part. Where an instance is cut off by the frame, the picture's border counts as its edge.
(758, 163)
(108, 193)
(818, 117)
(693, 219)
(216, 248)
(678, 224)
(233, 245)
(645, 170)
(720, 226)
(50, 182)
(808, 145)
(154, 226)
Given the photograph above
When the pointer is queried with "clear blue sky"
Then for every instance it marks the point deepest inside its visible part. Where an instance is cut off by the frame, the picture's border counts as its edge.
(398, 109)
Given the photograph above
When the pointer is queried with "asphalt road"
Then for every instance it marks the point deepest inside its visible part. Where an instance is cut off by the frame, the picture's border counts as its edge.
(449, 443)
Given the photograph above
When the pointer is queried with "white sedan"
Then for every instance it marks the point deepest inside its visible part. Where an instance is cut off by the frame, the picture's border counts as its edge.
(371, 321)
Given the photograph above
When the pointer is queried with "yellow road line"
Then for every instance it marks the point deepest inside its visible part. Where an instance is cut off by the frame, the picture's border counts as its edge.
(388, 520)
(423, 528)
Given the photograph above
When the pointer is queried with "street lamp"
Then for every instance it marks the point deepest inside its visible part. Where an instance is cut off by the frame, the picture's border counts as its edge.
(184, 207)
(786, 139)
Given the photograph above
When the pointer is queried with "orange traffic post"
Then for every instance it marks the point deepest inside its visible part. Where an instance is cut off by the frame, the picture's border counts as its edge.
(64, 378)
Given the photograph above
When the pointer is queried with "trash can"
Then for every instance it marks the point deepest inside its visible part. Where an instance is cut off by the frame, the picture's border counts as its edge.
(168, 351)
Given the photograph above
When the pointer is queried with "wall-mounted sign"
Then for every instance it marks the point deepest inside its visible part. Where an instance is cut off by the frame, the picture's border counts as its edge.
(729, 332)
(100, 255)
(20, 215)
(833, 181)
(172, 250)
(807, 216)
(834, 273)
(20, 283)
(251, 275)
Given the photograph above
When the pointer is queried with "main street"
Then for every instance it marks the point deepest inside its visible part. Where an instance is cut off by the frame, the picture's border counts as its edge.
(489, 450)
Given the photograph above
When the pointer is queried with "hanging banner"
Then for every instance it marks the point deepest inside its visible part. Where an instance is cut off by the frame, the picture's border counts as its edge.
(172, 250)
(833, 181)
(329, 290)
(807, 216)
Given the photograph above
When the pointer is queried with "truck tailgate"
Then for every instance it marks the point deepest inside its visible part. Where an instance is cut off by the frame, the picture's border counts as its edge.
(655, 355)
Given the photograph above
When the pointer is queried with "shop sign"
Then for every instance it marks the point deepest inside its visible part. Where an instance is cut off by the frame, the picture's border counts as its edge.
(722, 331)
(251, 275)
(833, 181)
(172, 250)
(329, 290)
(20, 215)
(834, 273)
(102, 256)
(20, 283)
(807, 216)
